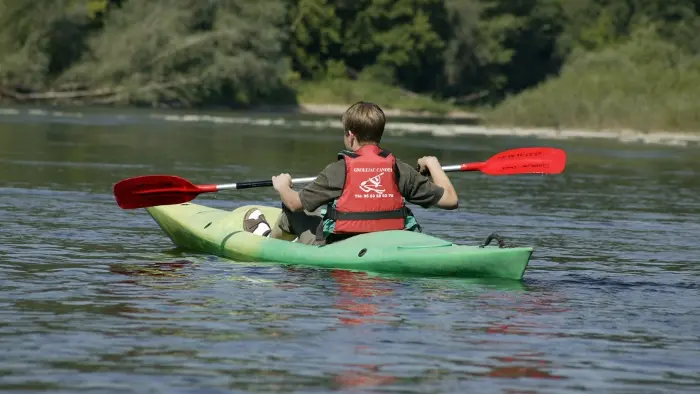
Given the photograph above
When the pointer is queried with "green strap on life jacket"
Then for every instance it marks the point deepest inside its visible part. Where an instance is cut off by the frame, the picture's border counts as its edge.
(410, 221)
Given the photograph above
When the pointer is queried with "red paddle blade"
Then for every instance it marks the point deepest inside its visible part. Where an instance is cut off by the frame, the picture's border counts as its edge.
(152, 190)
(545, 160)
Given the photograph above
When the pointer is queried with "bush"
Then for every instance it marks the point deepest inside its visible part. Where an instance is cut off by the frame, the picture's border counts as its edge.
(346, 92)
(644, 83)
(190, 53)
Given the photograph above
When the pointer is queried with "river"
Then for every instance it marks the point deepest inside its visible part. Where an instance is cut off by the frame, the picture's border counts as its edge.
(95, 299)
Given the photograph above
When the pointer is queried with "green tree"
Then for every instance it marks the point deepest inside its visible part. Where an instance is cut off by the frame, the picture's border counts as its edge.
(474, 52)
(399, 39)
(189, 52)
(40, 39)
(405, 36)
(597, 24)
(314, 37)
(645, 82)
(528, 30)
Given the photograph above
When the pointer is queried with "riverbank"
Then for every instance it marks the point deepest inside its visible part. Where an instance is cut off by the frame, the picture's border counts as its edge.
(558, 108)
(322, 117)
(337, 95)
(461, 65)
(329, 98)
(339, 109)
(622, 135)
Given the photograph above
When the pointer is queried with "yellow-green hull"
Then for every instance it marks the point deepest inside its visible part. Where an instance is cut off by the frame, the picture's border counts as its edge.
(218, 232)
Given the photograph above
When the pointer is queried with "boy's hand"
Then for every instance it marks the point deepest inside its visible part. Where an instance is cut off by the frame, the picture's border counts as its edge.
(426, 163)
(282, 181)
(449, 199)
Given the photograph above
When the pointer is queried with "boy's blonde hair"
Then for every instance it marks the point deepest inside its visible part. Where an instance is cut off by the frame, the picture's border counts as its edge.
(365, 120)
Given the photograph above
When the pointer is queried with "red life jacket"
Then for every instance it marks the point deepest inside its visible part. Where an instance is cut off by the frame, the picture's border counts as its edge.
(371, 200)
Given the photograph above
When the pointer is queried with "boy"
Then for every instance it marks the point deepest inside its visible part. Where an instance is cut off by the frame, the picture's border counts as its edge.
(364, 192)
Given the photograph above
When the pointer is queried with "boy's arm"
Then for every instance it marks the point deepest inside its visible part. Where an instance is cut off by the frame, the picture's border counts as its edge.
(327, 186)
(290, 197)
(420, 190)
(449, 199)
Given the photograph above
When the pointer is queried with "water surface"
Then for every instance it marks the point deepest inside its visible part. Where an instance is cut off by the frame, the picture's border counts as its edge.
(97, 299)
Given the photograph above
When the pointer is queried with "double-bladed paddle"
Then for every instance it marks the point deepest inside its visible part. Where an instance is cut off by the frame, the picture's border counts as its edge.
(152, 190)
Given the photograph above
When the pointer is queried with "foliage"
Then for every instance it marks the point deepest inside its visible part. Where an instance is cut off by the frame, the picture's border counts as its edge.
(344, 91)
(39, 39)
(188, 52)
(644, 83)
(616, 55)
(400, 40)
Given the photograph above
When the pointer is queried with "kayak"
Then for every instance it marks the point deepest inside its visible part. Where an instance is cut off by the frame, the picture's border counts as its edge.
(219, 232)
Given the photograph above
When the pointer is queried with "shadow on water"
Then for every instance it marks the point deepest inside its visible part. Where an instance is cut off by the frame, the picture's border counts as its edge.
(166, 268)
(171, 268)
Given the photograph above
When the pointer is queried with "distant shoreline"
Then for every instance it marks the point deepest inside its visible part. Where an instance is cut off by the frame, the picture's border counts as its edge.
(406, 122)
(302, 108)
(474, 126)
(336, 109)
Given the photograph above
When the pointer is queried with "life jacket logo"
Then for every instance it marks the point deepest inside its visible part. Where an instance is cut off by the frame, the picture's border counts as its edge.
(373, 184)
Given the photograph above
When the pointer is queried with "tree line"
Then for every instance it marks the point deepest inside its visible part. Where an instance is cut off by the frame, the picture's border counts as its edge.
(237, 52)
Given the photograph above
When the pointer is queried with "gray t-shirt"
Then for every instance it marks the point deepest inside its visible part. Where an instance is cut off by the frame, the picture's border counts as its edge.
(415, 188)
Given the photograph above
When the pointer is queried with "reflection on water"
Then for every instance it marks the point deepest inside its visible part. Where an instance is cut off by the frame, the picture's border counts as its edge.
(96, 299)
(355, 296)
(166, 268)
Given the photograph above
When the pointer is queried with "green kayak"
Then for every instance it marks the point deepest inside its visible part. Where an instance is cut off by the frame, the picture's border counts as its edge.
(218, 232)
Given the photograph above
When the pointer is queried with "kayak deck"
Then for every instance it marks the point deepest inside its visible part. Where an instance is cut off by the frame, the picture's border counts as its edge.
(219, 232)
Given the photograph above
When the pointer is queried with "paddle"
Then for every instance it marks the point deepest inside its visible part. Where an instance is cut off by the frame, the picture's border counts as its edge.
(152, 190)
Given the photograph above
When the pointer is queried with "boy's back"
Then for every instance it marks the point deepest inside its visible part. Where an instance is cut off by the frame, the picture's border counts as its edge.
(328, 186)
(363, 166)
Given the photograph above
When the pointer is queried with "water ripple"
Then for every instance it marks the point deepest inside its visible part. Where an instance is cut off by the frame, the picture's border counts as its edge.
(96, 299)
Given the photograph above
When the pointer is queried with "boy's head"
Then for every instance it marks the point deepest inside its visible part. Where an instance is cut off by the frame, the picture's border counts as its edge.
(365, 121)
